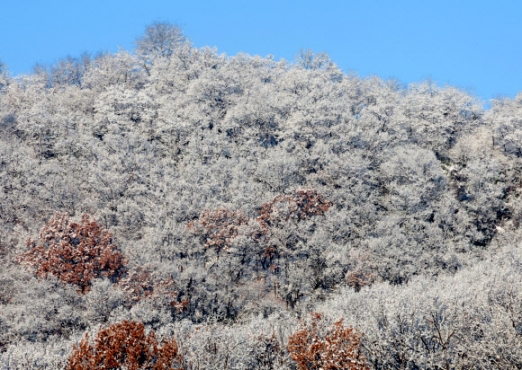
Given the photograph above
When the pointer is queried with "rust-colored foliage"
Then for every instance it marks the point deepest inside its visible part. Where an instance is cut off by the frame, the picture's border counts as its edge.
(125, 346)
(75, 252)
(317, 347)
(220, 226)
(300, 205)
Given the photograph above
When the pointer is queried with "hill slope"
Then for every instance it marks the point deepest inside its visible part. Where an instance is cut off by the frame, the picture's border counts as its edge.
(262, 190)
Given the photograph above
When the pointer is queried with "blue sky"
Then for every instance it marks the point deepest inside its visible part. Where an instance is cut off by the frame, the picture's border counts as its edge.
(474, 45)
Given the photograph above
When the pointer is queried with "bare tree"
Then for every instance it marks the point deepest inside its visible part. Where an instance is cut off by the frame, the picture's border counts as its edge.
(4, 75)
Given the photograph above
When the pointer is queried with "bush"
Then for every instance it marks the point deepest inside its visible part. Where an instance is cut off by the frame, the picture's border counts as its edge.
(125, 345)
(317, 347)
(74, 252)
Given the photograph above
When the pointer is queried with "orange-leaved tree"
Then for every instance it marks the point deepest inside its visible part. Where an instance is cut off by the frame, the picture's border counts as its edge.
(74, 252)
(125, 345)
(316, 346)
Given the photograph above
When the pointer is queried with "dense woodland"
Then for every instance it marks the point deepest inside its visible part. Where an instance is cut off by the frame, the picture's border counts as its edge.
(250, 213)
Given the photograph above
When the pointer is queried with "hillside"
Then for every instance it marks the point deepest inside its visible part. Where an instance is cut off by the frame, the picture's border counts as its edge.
(244, 193)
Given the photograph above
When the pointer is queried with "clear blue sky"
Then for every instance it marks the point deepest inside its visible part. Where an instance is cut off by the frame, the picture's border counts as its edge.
(472, 44)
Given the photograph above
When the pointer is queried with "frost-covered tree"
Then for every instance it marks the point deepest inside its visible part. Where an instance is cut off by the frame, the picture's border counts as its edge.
(160, 40)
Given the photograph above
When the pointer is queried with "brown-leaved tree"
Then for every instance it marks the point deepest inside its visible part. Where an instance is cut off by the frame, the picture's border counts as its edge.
(74, 252)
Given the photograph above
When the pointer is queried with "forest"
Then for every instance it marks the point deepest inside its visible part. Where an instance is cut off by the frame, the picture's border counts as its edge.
(172, 207)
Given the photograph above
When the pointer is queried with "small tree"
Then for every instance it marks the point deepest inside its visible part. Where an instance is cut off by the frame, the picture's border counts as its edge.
(74, 252)
(125, 345)
(317, 347)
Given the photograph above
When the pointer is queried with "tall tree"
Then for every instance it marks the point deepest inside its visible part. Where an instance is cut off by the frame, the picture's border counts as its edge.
(159, 41)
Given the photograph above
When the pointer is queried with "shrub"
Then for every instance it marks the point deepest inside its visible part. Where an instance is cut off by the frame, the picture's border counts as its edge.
(317, 347)
(74, 252)
(125, 345)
